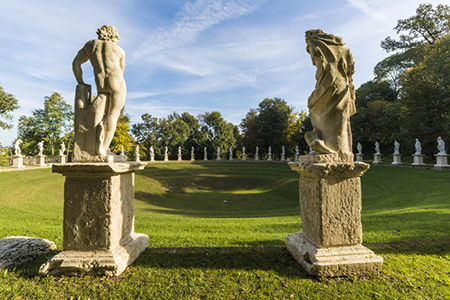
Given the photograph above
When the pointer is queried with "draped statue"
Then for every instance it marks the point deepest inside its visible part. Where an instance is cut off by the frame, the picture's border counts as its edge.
(333, 101)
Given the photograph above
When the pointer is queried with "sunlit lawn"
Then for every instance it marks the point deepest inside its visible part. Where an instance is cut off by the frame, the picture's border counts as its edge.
(217, 231)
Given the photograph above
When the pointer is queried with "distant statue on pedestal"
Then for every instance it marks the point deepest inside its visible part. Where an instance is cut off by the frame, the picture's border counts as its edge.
(192, 154)
(230, 153)
(359, 147)
(179, 153)
(137, 154)
(121, 150)
(17, 150)
(40, 147)
(205, 154)
(257, 153)
(418, 147)
(377, 148)
(441, 146)
(243, 152)
(166, 154)
(396, 147)
(62, 149)
(218, 153)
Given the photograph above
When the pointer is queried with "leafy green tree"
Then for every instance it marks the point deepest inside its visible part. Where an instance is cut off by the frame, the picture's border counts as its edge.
(250, 136)
(122, 136)
(50, 124)
(272, 122)
(218, 132)
(8, 103)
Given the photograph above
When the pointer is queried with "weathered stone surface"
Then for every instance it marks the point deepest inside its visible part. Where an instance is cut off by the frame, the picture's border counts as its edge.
(98, 224)
(418, 160)
(330, 204)
(16, 250)
(353, 260)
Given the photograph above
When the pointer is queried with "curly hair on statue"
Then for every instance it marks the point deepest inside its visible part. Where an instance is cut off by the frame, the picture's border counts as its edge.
(108, 33)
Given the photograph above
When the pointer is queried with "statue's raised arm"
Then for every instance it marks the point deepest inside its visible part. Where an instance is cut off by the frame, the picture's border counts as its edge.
(333, 101)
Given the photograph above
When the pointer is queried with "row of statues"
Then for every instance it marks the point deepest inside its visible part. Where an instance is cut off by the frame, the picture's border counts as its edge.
(417, 145)
(40, 145)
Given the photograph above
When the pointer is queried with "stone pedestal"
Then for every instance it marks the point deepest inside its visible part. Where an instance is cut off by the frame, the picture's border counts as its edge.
(256, 157)
(17, 161)
(359, 157)
(138, 158)
(166, 157)
(243, 156)
(62, 159)
(418, 160)
(330, 205)
(192, 157)
(396, 159)
(283, 157)
(99, 237)
(120, 158)
(152, 157)
(441, 161)
(296, 157)
(40, 160)
(376, 158)
(269, 157)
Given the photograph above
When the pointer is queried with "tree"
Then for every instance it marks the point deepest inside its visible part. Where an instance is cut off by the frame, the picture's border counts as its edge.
(50, 124)
(218, 132)
(122, 136)
(250, 137)
(272, 122)
(8, 103)
(425, 28)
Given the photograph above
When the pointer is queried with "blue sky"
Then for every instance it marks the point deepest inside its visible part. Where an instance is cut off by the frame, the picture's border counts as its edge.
(194, 56)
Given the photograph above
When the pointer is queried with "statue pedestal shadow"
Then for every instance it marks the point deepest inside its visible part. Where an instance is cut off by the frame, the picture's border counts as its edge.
(99, 237)
(330, 203)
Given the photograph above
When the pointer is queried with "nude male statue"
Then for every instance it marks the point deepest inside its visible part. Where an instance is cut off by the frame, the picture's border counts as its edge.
(108, 61)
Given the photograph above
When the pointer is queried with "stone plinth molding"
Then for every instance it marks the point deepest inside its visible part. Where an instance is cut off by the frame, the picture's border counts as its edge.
(99, 237)
(418, 160)
(330, 205)
(396, 159)
(376, 158)
(441, 161)
(18, 162)
(62, 159)
(359, 157)
(40, 160)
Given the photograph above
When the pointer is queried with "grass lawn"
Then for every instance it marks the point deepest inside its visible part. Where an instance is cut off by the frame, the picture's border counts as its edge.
(217, 231)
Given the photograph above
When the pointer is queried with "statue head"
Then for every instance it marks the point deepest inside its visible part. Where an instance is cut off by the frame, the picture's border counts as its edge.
(108, 33)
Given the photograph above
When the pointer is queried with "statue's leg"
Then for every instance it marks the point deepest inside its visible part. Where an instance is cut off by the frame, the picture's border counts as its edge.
(99, 112)
(116, 102)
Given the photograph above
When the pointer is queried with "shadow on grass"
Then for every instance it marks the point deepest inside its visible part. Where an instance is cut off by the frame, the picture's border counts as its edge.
(219, 189)
(277, 259)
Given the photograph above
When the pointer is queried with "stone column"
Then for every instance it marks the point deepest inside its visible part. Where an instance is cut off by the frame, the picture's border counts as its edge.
(62, 159)
(359, 157)
(18, 162)
(376, 159)
(40, 160)
(99, 237)
(418, 160)
(397, 159)
(330, 205)
(441, 161)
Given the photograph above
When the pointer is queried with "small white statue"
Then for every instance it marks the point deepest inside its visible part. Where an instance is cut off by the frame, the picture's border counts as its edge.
(218, 151)
(396, 147)
(441, 146)
(418, 147)
(192, 151)
(270, 150)
(152, 152)
(205, 155)
(165, 151)
(121, 150)
(257, 150)
(377, 147)
(297, 151)
(40, 147)
(243, 150)
(359, 147)
(62, 149)
(231, 153)
(283, 150)
(179, 151)
(136, 150)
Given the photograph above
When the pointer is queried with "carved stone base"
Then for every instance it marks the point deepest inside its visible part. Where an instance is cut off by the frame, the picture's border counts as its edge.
(243, 156)
(269, 157)
(441, 161)
(397, 159)
(97, 263)
(418, 160)
(18, 162)
(40, 160)
(98, 222)
(354, 260)
(376, 159)
(256, 157)
(62, 159)
(283, 157)
(359, 157)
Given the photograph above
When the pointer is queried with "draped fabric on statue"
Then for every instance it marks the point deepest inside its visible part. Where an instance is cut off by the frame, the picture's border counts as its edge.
(333, 101)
